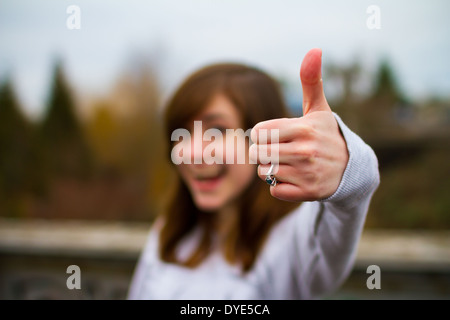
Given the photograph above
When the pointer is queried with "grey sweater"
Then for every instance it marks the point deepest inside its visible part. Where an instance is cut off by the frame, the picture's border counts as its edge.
(308, 254)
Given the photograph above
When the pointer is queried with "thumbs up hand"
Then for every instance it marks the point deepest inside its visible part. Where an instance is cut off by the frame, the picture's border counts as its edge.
(312, 153)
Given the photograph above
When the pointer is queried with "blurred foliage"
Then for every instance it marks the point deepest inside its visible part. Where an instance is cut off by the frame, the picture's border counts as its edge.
(112, 162)
(106, 164)
(16, 153)
(412, 143)
(60, 136)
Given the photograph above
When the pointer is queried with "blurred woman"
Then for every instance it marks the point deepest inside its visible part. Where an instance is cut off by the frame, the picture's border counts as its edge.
(284, 227)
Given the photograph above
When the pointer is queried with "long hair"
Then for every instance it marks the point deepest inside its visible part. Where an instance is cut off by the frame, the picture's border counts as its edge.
(258, 98)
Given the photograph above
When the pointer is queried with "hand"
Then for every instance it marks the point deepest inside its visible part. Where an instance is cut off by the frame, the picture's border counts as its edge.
(312, 151)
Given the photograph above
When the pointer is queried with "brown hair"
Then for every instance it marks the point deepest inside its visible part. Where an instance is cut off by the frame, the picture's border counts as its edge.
(258, 98)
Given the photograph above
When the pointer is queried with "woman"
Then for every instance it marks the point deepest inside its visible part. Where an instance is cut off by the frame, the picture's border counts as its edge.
(226, 233)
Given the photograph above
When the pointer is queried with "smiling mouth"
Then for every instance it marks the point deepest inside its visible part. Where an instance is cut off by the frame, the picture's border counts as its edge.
(209, 177)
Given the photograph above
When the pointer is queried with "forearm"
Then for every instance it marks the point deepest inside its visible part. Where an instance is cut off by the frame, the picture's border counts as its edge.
(339, 219)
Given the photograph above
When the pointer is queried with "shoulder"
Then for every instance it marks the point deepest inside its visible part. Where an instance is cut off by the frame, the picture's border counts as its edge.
(151, 244)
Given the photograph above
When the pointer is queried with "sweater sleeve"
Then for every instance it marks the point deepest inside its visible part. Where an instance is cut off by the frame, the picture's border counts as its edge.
(328, 231)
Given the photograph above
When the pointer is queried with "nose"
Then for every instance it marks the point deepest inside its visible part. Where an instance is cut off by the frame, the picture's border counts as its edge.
(207, 148)
(197, 146)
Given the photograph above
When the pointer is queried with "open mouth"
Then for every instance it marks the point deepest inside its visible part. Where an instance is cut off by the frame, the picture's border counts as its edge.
(208, 181)
(210, 176)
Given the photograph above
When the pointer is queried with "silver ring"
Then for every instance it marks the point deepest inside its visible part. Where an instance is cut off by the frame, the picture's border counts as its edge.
(270, 178)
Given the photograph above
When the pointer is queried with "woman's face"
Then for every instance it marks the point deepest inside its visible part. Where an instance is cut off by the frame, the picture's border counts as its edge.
(216, 185)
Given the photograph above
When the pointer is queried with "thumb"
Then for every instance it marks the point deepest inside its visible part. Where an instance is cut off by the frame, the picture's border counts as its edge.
(311, 78)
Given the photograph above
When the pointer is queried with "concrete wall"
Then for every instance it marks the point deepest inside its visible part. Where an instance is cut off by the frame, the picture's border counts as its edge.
(35, 255)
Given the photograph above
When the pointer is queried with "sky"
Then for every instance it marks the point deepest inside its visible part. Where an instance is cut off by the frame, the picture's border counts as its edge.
(181, 36)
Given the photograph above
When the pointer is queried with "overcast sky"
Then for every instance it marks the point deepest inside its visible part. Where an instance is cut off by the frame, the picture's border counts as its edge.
(274, 35)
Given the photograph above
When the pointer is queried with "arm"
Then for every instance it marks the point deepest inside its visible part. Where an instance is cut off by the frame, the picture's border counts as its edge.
(329, 168)
(327, 250)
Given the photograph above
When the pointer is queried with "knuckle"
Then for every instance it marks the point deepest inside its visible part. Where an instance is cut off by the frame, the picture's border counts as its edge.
(311, 152)
(307, 130)
(304, 152)
(298, 151)
(308, 153)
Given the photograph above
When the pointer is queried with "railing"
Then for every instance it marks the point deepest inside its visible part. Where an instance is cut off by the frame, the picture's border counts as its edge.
(35, 255)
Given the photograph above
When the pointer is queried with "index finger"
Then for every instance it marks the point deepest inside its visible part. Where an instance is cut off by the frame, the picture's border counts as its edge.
(278, 130)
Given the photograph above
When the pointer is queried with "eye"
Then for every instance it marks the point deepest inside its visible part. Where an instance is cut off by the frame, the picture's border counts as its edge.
(221, 128)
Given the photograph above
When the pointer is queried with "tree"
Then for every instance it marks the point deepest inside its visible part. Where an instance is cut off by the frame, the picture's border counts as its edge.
(382, 114)
(126, 135)
(62, 140)
(16, 150)
(385, 84)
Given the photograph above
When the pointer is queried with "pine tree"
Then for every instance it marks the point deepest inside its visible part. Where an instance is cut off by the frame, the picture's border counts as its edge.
(385, 84)
(16, 152)
(65, 149)
(379, 115)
